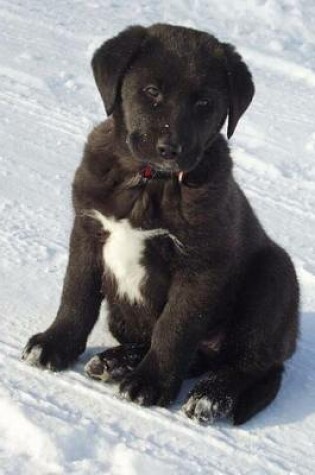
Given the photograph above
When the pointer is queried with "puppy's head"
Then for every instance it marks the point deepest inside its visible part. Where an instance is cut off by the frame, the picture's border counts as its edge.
(174, 88)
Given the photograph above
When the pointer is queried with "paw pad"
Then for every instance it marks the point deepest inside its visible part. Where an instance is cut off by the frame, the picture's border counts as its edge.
(32, 355)
(96, 369)
(206, 410)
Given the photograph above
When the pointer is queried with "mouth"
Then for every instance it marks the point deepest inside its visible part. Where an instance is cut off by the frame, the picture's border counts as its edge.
(156, 164)
(142, 153)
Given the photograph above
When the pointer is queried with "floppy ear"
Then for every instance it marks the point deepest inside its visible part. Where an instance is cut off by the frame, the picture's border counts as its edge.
(111, 60)
(241, 87)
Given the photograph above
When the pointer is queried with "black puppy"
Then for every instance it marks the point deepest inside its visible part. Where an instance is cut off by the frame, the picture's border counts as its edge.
(162, 230)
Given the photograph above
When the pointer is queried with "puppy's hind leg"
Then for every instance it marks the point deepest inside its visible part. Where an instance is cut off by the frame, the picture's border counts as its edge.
(229, 393)
(260, 338)
(257, 396)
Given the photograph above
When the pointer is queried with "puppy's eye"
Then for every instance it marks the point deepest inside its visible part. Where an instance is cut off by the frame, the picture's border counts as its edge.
(152, 91)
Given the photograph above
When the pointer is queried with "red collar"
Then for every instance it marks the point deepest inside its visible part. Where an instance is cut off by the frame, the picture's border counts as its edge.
(147, 172)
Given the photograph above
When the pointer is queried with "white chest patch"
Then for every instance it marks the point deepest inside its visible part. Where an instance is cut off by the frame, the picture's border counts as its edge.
(123, 252)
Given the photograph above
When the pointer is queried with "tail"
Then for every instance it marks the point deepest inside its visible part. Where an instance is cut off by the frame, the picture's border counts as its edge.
(258, 396)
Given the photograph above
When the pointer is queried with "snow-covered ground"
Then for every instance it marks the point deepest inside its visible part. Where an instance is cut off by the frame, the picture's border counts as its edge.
(65, 423)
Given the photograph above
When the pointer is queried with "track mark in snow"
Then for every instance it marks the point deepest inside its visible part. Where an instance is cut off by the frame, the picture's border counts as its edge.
(249, 162)
(310, 144)
(27, 237)
(47, 116)
(31, 440)
(280, 66)
(19, 76)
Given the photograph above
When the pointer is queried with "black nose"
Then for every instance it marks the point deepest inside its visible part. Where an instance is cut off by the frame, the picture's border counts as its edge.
(167, 149)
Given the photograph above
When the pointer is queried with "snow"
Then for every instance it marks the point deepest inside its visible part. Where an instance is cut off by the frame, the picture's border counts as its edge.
(66, 423)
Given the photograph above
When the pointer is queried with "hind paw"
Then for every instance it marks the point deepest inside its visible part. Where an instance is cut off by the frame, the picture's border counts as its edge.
(114, 364)
(208, 403)
(206, 410)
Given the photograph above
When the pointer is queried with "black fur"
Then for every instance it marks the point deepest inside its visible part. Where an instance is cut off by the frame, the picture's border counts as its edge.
(225, 304)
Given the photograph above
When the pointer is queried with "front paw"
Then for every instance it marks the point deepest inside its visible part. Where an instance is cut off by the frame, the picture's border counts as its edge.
(51, 351)
(146, 388)
(140, 389)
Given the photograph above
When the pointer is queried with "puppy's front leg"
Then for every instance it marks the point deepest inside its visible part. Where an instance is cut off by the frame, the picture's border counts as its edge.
(66, 338)
(181, 326)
